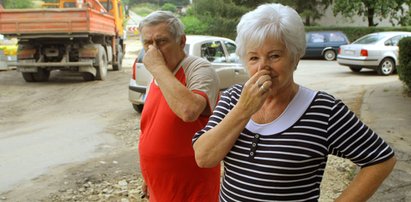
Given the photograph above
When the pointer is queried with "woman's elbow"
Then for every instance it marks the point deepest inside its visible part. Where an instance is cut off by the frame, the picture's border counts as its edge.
(204, 163)
(202, 159)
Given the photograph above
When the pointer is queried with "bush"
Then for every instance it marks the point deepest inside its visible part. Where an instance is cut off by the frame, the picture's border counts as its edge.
(169, 7)
(404, 69)
(144, 9)
(193, 25)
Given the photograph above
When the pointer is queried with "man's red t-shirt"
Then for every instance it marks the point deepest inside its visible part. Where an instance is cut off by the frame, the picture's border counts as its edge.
(166, 153)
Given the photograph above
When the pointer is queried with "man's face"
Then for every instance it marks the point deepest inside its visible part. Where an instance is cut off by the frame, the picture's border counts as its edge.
(159, 36)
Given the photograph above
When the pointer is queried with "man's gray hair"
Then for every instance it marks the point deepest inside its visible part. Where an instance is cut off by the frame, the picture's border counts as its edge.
(176, 27)
(271, 20)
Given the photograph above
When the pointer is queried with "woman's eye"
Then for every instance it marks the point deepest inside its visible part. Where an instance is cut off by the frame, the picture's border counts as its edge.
(273, 57)
(253, 58)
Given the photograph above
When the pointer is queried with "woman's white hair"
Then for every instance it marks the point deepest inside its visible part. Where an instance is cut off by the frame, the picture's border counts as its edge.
(267, 21)
(176, 27)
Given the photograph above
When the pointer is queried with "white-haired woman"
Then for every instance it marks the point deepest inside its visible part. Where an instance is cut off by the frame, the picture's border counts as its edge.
(273, 134)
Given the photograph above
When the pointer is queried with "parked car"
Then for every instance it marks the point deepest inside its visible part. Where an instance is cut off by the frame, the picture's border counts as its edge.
(219, 51)
(378, 51)
(324, 44)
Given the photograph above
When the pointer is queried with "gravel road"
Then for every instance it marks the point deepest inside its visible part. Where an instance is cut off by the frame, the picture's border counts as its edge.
(70, 140)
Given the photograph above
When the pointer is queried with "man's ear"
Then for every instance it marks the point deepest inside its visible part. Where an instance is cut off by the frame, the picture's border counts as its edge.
(183, 41)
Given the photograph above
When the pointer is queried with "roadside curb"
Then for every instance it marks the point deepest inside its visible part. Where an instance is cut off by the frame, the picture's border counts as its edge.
(387, 110)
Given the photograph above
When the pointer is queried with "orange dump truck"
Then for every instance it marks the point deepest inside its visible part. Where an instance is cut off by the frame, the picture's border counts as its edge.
(83, 36)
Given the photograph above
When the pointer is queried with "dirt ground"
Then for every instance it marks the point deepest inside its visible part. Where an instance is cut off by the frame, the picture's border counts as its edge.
(112, 172)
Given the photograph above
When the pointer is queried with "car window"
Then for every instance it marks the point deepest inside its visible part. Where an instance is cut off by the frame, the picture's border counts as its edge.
(317, 38)
(369, 39)
(231, 52)
(336, 37)
(140, 56)
(393, 41)
(187, 49)
(213, 52)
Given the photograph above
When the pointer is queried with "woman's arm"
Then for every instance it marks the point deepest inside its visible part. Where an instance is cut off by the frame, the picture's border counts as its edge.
(367, 181)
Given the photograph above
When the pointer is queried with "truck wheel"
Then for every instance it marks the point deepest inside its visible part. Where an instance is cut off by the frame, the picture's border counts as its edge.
(88, 76)
(101, 63)
(42, 75)
(28, 77)
(118, 64)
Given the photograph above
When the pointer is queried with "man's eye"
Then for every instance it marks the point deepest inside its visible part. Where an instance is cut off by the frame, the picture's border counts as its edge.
(160, 41)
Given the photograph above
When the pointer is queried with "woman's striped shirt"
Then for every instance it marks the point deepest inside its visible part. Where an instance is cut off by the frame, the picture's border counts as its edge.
(289, 165)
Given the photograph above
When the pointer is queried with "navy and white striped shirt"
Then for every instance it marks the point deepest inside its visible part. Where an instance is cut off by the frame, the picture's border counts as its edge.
(289, 165)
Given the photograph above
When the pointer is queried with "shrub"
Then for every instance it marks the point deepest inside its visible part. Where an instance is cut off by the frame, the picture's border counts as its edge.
(404, 69)
(193, 25)
(169, 7)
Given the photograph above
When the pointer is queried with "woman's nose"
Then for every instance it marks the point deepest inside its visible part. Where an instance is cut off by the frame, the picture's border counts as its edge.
(264, 64)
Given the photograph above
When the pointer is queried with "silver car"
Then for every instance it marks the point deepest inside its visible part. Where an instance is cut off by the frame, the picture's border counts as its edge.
(219, 51)
(378, 51)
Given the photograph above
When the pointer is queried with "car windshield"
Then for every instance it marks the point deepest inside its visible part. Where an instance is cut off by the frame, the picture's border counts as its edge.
(369, 39)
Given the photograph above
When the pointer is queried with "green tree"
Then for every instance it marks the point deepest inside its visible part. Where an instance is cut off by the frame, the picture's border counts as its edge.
(169, 7)
(371, 9)
(221, 16)
(18, 3)
(309, 10)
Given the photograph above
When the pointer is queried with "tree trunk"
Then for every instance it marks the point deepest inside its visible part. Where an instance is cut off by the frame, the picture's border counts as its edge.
(307, 21)
(1, 4)
(370, 17)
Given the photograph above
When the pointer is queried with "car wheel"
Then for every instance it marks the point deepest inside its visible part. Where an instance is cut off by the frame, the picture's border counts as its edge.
(329, 55)
(138, 108)
(386, 67)
(356, 69)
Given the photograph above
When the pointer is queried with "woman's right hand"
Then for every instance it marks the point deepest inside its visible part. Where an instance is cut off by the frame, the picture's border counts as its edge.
(255, 92)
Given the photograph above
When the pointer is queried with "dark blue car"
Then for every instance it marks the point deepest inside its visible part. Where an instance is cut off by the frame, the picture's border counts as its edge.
(324, 44)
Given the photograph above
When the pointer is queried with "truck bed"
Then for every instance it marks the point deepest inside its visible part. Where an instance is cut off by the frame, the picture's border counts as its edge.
(20, 22)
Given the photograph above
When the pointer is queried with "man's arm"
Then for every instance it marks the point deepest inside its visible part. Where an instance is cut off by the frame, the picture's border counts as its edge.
(185, 104)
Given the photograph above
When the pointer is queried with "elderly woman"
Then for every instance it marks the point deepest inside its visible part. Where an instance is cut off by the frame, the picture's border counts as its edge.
(273, 134)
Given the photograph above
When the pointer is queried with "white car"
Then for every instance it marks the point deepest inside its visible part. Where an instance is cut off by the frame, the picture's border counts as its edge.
(219, 51)
(378, 51)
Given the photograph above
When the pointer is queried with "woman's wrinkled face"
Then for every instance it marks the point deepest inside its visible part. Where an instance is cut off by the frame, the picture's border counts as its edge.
(274, 57)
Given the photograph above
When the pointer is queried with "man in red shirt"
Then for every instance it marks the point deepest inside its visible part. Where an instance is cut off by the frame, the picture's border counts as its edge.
(180, 99)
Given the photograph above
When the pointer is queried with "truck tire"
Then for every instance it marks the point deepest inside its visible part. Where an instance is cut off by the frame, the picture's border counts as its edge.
(88, 76)
(118, 64)
(41, 75)
(101, 63)
(28, 77)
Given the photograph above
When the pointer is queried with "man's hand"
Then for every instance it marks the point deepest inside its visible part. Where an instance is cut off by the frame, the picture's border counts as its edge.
(154, 60)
